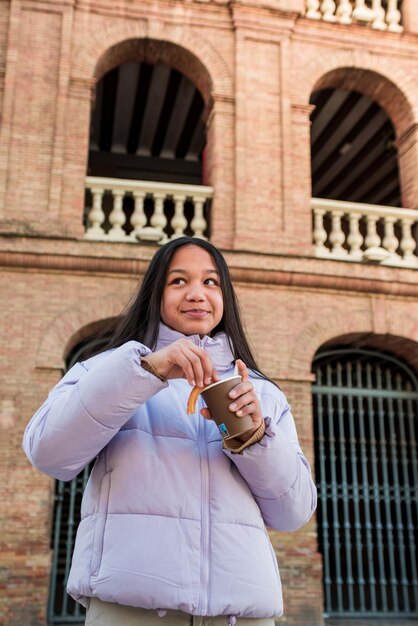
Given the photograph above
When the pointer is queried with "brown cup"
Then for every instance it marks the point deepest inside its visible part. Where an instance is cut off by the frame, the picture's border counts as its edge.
(218, 401)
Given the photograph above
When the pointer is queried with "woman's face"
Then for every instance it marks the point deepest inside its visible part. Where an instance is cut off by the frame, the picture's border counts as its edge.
(192, 300)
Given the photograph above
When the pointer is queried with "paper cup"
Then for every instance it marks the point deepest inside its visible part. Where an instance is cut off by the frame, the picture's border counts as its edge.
(217, 400)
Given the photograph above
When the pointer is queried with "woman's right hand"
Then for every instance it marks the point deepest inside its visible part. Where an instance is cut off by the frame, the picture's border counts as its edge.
(182, 359)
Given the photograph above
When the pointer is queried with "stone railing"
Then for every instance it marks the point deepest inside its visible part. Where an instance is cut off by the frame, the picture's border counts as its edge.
(351, 231)
(379, 14)
(132, 210)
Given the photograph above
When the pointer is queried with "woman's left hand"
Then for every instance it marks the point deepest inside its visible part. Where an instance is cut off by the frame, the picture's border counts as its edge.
(244, 401)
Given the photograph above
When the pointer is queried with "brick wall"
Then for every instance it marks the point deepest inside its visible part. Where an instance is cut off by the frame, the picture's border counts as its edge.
(256, 66)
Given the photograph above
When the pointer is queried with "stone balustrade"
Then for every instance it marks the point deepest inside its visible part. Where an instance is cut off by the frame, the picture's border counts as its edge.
(379, 14)
(351, 231)
(131, 210)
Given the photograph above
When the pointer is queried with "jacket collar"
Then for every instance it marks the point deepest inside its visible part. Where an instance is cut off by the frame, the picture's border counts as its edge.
(218, 346)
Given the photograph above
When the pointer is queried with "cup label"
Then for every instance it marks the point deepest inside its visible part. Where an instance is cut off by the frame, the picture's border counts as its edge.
(223, 430)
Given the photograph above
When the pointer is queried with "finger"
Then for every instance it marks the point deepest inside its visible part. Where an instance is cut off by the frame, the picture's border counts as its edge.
(242, 369)
(242, 401)
(240, 389)
(205, 366)
(185, 365)
(206, 414)
(248, 409)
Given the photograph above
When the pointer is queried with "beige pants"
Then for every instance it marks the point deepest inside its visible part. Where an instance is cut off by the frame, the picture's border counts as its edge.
(108, 614)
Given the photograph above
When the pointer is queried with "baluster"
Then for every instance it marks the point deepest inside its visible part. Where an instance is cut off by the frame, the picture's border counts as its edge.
(138, 219)
(390, 242)
(337, 236)
(179, 222)
(198, 223)
(374, 251)
(328, 10)
(117, 217)
(354, 238)
(393, 17)
(361, 12)
(312, 12)
(319, 233)
(96, 216)
(344, 12)
(408, 244)
(158, 219)
(379, 15)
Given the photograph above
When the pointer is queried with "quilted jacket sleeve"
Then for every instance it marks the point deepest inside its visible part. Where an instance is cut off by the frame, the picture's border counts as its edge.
(277, 472)
(87, 408)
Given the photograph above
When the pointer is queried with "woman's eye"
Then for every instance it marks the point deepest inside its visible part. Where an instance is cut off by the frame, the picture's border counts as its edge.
(178, 281)
(210, 281)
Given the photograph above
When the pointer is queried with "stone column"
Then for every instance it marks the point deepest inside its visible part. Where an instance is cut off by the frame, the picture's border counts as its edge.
(407, 146)
(219, 167)
(77, 137)
(409, 16)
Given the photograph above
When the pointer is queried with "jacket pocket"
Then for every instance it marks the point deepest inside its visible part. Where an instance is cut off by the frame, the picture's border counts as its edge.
(100, 525)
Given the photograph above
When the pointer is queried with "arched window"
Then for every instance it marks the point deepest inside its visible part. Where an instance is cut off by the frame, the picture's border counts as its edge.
(66, 516)
(352, 149)
(146, 168)
(366, 431)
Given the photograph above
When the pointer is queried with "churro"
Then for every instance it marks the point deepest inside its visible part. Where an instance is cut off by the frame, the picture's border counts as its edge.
(191, 402)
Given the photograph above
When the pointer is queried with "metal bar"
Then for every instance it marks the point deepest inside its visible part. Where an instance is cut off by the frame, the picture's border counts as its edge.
(323, 499)
(393, 437)
(69, 544)
(57, 531)
(334, 502)
(356, 497)
(388, 513)
(411, 438)
(376, 503)
(365, 393)
(344, 494)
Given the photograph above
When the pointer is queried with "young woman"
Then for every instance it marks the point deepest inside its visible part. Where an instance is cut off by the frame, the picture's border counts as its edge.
(173, 520)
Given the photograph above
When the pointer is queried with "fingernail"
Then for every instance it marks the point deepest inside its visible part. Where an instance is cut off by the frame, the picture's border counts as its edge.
(233, 406)
(239, 413)
(232, 394)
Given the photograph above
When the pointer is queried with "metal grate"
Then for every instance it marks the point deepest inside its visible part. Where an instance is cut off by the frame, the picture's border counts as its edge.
(366, 427)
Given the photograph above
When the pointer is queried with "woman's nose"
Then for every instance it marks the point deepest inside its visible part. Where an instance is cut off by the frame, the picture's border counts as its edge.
(195, 293)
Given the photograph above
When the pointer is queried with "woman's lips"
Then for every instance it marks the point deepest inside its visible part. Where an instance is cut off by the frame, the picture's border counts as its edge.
(196, 313)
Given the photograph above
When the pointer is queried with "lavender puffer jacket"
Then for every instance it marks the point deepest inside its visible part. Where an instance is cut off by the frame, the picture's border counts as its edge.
(169, 519)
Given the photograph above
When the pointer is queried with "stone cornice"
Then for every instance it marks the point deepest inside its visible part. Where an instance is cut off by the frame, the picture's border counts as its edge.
(255, 276)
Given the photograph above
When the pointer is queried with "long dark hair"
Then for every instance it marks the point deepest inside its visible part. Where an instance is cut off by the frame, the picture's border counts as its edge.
(140, 320)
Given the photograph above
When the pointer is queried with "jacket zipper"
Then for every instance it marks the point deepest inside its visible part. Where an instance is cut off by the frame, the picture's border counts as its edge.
(202, 607)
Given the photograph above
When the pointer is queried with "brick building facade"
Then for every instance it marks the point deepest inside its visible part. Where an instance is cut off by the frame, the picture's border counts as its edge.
(311, 277)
